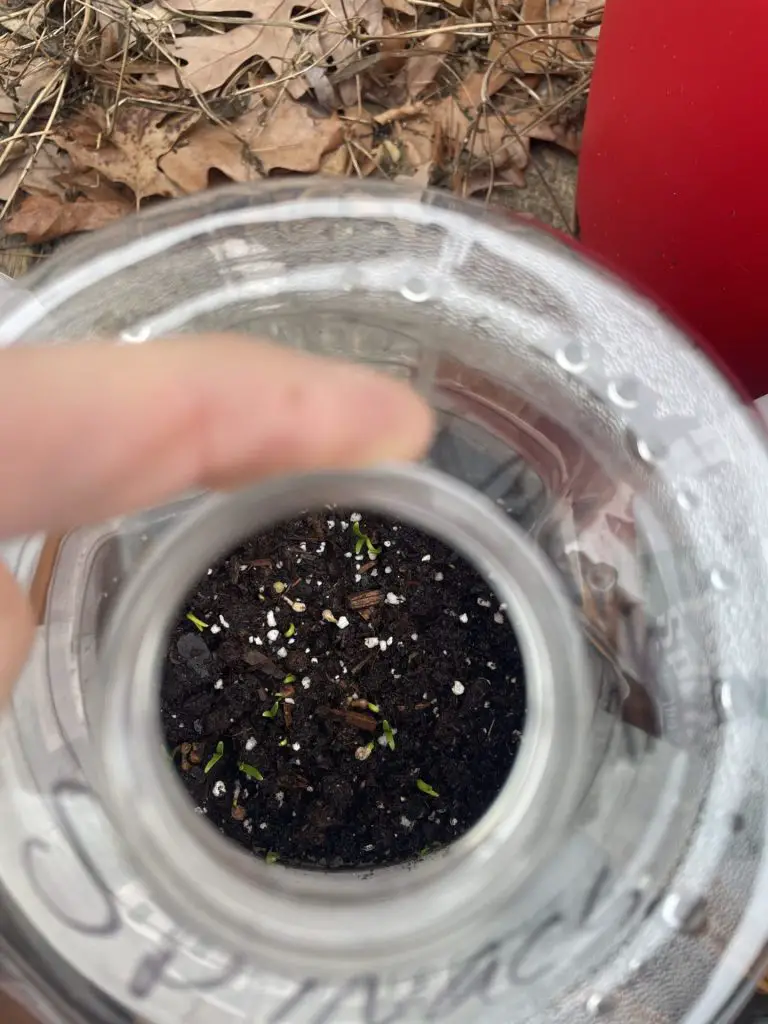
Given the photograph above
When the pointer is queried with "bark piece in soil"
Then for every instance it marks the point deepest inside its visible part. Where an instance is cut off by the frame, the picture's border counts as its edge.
(396, 629)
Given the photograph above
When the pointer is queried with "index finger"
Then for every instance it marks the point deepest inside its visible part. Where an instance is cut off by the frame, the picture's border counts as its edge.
(91, 430)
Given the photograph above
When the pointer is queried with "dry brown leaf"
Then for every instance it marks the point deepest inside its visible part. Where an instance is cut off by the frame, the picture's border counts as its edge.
(43, 176)
(208, 147)
(42, 217)
(420, 141)
(495, 136)
(207, 61)
(486, 181)
(420, 71)
(478, 87)
(291, 138)
(542, 40)
(130, 154)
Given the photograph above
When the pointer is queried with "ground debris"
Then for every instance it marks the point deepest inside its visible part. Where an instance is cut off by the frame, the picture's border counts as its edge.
(129, 103)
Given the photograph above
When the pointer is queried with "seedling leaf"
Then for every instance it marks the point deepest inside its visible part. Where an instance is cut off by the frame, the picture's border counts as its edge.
(374, 708)
(359, 544)
(290, 631)
(197, 622)
(390, 737)
(272, 857)
(250, 771)
(290, 678)
(426, 788)
(215, 757)
(283, 742)
(272, 711)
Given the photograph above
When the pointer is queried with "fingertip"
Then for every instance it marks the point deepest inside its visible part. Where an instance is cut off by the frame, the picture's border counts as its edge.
(394, 422)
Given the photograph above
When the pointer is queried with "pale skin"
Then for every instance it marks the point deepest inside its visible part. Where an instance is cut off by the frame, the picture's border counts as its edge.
(90, 431)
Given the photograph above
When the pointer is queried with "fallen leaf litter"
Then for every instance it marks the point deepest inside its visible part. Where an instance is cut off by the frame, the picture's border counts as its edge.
(106, 107)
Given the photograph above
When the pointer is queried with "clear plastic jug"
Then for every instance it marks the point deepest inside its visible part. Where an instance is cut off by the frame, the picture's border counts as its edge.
(591, 462)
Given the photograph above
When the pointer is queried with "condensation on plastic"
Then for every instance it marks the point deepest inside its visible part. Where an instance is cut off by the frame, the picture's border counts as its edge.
(589, 420)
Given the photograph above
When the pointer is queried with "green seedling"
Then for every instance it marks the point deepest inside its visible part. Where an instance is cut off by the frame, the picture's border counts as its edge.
(283, 742)
(290, 631)
(197, 622)
(425, 787)
(250, 771)
(374, 708)
(363, 753)
(272, 713)
(215, 757)
(390, 736)
(364, 541)
(272, 857)
(290, 678)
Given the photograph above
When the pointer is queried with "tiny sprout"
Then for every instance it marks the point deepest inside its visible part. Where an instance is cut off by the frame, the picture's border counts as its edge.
(283, 742)
(363, 753)
(290, 631)
(426, 788)
(197, 622)
(297, 606)
(279, 587)
(272, 711)
(215, 757)
(390, 736)
(328, 615)
(374, 708)
(272, 857)
(250, 771)
(363, 540)
(290, 678)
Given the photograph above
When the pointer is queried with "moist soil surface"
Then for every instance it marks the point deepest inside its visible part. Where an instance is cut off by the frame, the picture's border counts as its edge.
(351, 693)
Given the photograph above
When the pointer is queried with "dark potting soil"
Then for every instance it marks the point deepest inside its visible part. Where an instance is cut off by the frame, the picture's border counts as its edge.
(343, 691)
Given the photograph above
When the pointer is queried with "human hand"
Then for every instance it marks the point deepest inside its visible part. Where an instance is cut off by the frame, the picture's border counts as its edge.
(89, 431)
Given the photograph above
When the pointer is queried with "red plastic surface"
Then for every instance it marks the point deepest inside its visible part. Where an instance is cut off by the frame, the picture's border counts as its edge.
(673, 186)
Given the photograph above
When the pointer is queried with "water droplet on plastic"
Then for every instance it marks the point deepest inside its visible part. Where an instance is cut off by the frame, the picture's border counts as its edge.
(722, 579)
(573, 357)
(686, 914)
(599, 1004)
(416, 289)
(625, 393)
(687, 500)
(650, 450)
(135, 335)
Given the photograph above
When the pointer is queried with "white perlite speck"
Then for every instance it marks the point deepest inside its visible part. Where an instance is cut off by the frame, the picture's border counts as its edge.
(215, 628)
(426, 558)
(250, 743)
(439, 577)
(271, 620)
(388, 569)
(483, 603)
(272, 635)
(371, 642)
(219, 684)
(498, 617)
(355, 517)
(224, 622)
(392, 598)
(463, 617)
(331, 523)
(342, 622)
(457, 688)
(282, 653)
(306, 682)
(296, 746)
(219, 789)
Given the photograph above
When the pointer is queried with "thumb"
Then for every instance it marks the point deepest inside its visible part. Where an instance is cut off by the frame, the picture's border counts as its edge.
(16, 630)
